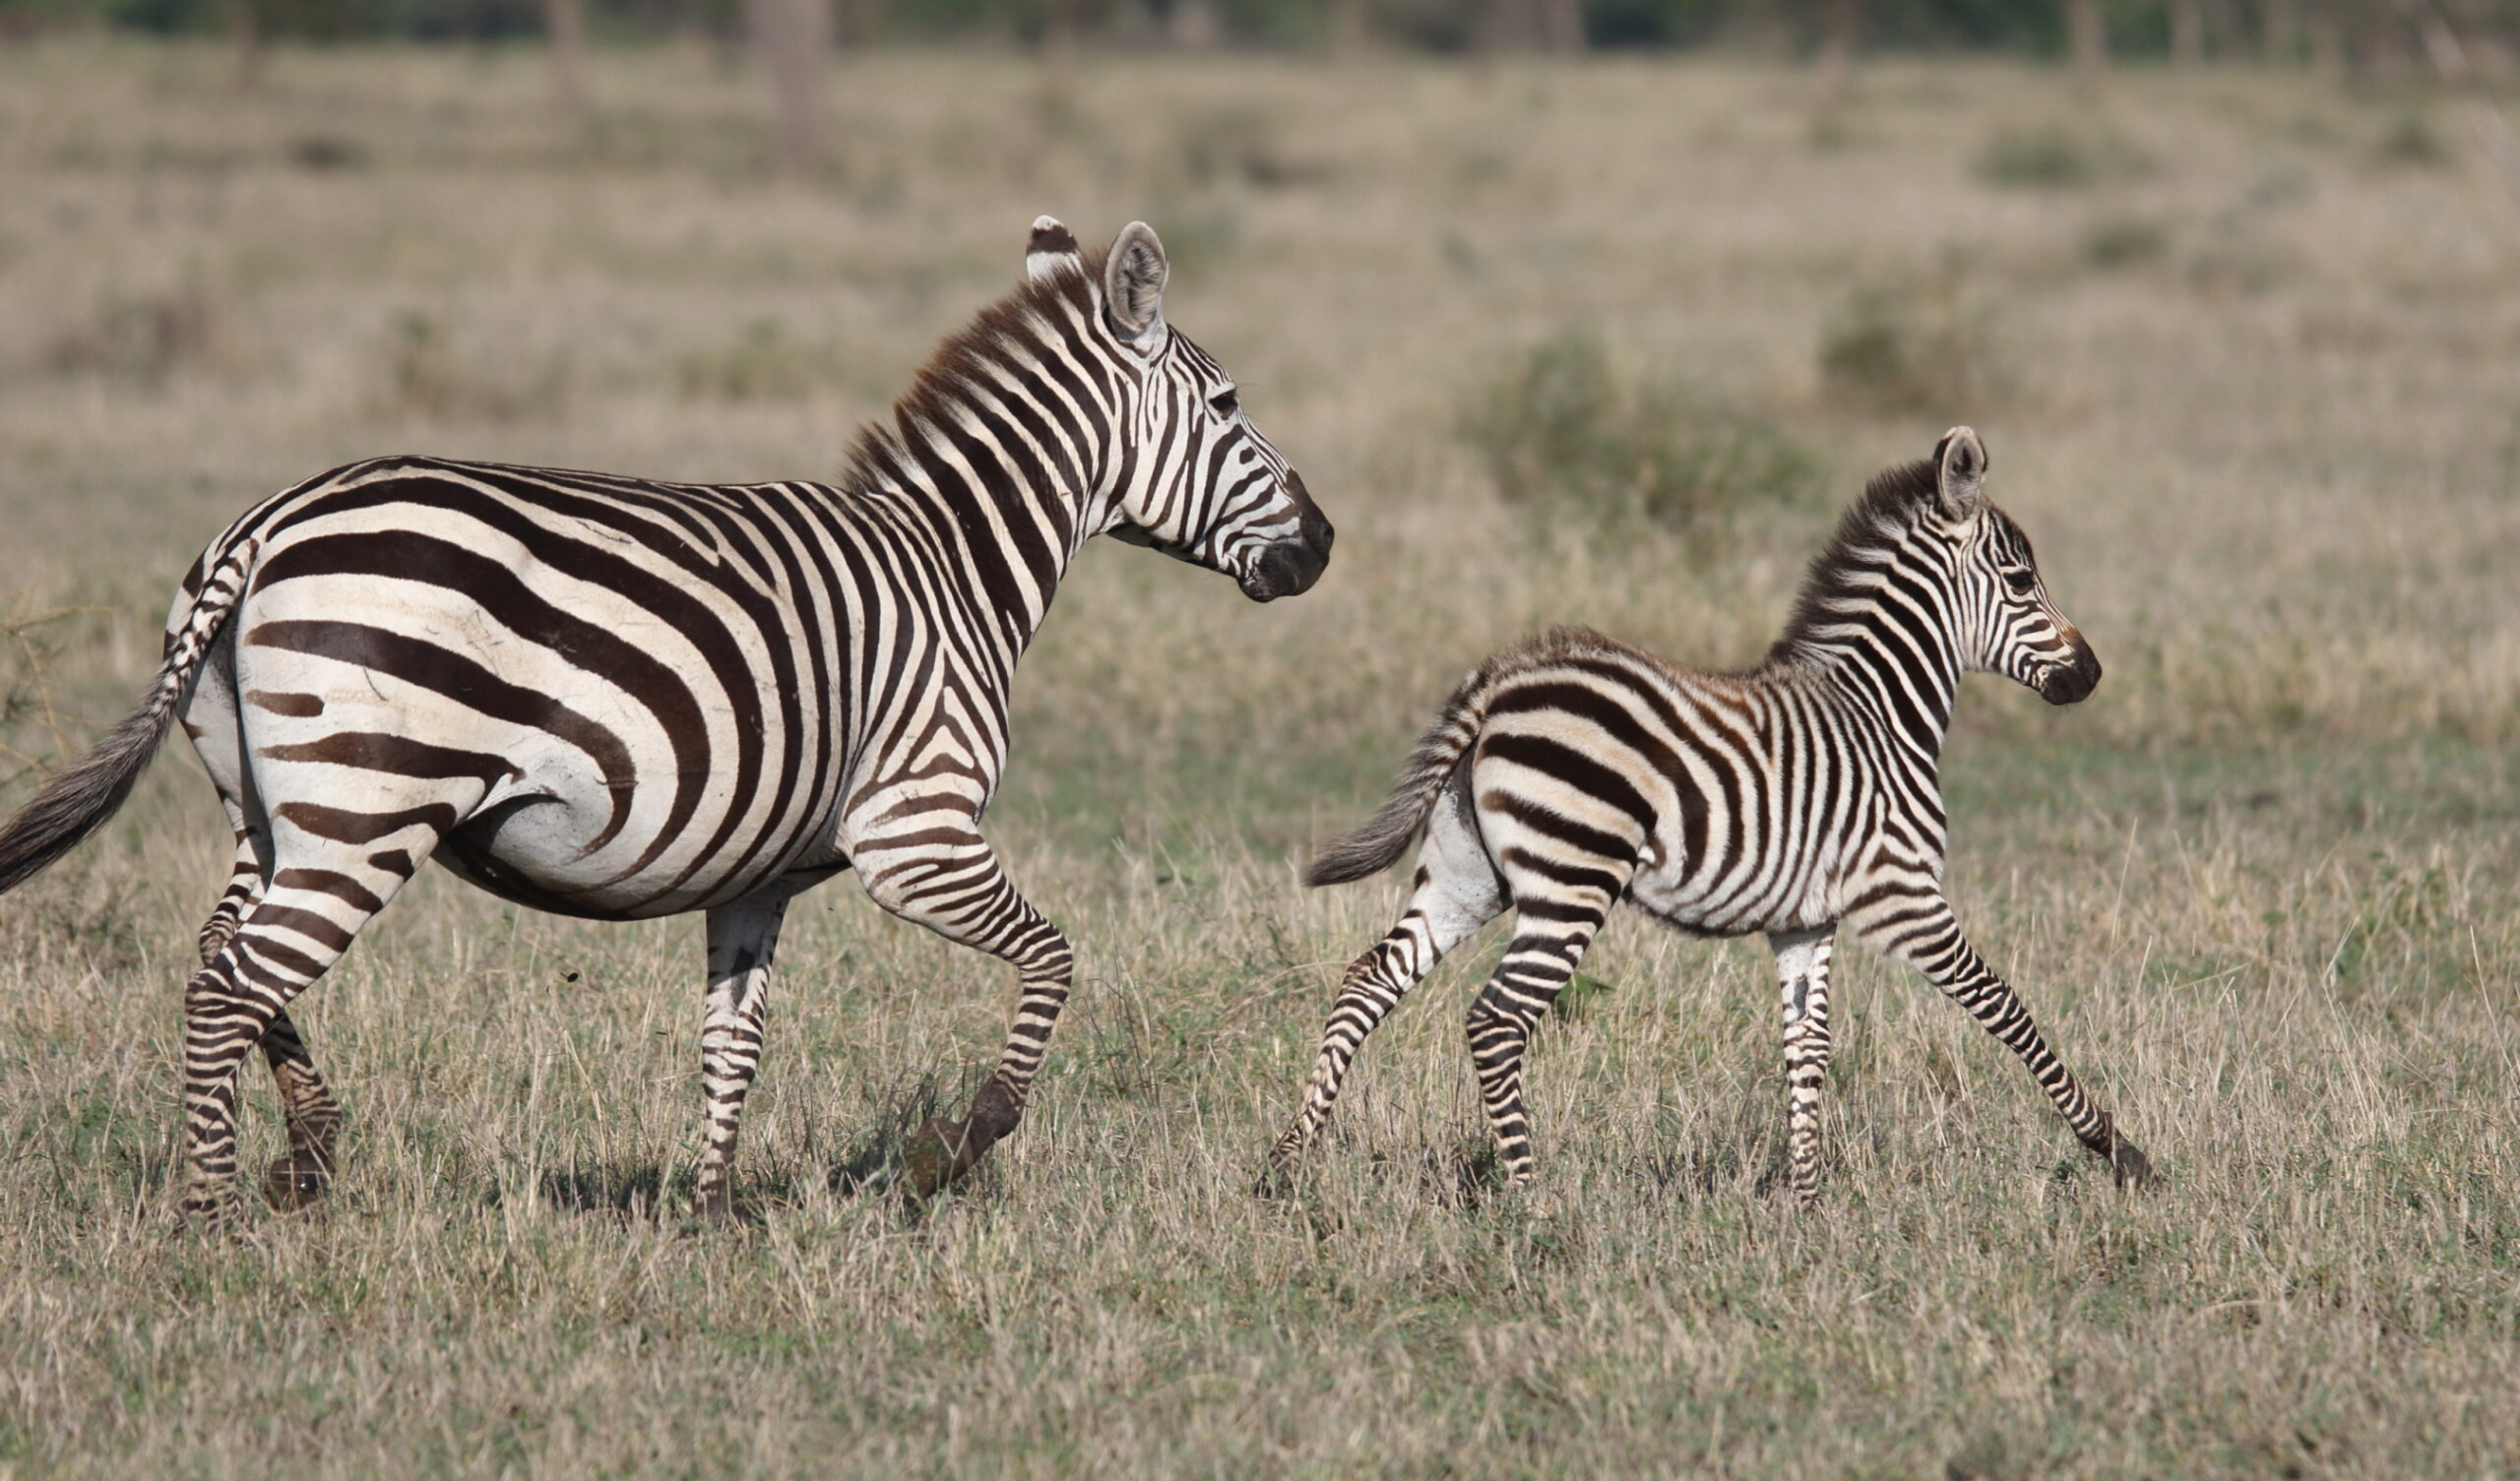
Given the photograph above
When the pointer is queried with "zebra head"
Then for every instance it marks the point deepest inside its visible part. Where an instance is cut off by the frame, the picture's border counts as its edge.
(2008, 625)
(1190, 477)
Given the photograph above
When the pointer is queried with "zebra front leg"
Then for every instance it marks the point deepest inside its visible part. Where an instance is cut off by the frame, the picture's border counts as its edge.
(1921, 931)
(743, 937)
(1802, 974)
(1455, 893)
(951, 884)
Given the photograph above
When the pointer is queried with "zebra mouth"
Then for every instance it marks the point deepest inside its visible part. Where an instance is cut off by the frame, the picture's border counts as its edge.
(2071, 683)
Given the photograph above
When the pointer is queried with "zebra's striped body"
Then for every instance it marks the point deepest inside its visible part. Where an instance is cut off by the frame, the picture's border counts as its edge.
(617, 697)
(1574, 772)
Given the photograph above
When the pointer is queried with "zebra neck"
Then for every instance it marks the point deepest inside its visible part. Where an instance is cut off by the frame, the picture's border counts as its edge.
(1893, 667)
(1005, 521)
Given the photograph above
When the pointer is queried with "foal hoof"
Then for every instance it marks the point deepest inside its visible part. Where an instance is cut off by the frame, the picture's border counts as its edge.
(2130, 1166)
(933, 1159)
(297, 1181)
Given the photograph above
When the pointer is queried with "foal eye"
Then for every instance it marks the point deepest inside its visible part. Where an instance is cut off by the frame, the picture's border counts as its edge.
(1225, 404)
(2020, 580)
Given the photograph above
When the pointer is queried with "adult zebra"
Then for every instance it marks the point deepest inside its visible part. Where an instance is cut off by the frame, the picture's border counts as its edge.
(1574, 771)
(617, 697)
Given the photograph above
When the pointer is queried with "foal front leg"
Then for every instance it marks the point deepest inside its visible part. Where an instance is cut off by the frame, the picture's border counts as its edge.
(1919, 931)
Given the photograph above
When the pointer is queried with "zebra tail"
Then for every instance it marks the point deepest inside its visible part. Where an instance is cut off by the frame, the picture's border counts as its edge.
(1378, 845)
(77, 801)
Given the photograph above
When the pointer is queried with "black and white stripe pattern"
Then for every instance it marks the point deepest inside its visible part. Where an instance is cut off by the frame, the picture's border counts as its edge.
(1574, 772)
(617, 697)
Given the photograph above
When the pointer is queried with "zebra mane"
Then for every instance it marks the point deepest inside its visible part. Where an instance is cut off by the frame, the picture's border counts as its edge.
(1891, 504)
(880, 453)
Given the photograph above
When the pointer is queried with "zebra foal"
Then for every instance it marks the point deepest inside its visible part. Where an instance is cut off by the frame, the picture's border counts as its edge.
(1573, 772)
(615, 697)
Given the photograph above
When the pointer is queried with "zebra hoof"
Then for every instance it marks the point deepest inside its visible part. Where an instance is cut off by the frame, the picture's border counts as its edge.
(937, 1155)
(2130, 1166)
(1277, 1180)
(298, 1181)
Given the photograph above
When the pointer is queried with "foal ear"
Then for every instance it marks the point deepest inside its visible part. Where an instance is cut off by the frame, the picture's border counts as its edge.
(1133, 279)
(1960, 472)
(1054, 250)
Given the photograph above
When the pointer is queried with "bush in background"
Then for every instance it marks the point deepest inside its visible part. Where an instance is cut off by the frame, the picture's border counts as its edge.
(1902, 348)
(1564, 432)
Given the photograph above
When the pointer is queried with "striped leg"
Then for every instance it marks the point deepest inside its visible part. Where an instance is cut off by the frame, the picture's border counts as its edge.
(313, 907)
(307, 1106)
(951, 884)
(1456, 894)
(1919, 931)
(1546, 947)
(1802, 973)
(312, 1115)
(244, 883)
(743, 937)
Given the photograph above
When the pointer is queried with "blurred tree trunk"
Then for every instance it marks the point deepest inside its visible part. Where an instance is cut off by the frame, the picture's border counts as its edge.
(1193, 25)
(793, 38)
(564, 29)
(2186, 32)
(1058, 47)
(1561, 22)
(2279, 31)
(1348, 29)
(2449, 58)
(2089, 36)
(245, 29)
(1841, 32)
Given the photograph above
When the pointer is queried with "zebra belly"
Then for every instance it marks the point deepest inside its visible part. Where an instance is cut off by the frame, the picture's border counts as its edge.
(1705, 899)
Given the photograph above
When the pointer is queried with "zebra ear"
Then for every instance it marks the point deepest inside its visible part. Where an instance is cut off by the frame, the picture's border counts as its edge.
(1133, 279)
(1960, 472)
(1054, 250)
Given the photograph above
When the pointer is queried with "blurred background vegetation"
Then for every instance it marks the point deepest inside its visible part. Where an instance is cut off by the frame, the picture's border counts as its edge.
(2366, 33)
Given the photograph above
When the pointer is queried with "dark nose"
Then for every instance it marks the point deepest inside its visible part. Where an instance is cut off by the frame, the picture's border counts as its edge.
(1291, 568)
(2073, 684)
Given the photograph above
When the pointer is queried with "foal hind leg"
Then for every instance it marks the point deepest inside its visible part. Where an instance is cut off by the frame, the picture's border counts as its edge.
(1454, 894)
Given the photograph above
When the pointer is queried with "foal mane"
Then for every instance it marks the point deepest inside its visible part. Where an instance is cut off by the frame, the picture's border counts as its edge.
(1891, 503)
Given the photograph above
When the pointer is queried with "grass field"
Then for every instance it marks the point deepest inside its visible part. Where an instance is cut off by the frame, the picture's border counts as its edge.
(2245, 350)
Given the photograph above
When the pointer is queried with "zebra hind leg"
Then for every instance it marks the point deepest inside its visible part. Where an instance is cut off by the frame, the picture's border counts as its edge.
(300, 1178)
(743, 937)
(304, 1174)
(950, 882)
(1538, 965)
(313, 906)
(1454, 894)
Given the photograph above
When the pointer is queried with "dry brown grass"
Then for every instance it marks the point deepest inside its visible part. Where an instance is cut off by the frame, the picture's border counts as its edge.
(2261, 886)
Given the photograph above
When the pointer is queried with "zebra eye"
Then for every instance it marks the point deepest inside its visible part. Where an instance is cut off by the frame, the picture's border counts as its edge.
(2020, 581)
(1227, 404)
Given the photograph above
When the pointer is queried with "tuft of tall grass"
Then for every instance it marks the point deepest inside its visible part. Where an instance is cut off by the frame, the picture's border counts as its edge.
(2057, 156)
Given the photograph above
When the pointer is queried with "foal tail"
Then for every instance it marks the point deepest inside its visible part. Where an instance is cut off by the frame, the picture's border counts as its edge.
(77, 802)
(1378, 845)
